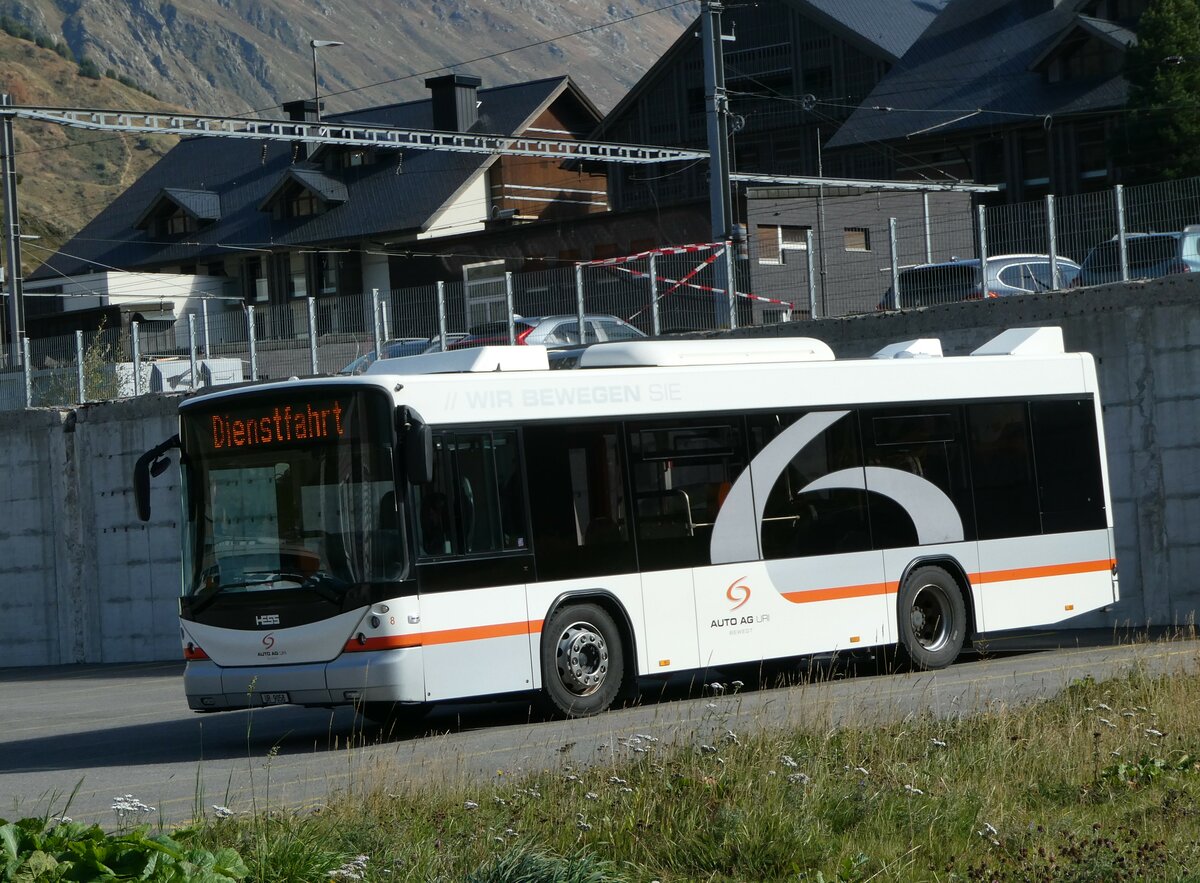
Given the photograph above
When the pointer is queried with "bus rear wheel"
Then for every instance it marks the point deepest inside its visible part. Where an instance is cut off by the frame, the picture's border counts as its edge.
(932, 618)
(583, 660)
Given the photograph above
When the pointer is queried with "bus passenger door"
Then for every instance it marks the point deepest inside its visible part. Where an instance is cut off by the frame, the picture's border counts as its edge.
(473, 564)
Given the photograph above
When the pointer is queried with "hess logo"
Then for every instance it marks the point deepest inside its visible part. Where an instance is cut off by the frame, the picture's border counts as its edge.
(267, 619)
(738, 593)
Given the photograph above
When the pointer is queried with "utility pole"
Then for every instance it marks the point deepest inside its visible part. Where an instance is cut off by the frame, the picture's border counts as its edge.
(716, 109)
(12, 237)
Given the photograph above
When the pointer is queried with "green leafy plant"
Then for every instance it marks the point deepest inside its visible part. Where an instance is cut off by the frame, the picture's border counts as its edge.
(40, 849)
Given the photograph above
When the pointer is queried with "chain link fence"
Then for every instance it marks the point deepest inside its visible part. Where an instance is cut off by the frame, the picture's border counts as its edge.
(1093, 238)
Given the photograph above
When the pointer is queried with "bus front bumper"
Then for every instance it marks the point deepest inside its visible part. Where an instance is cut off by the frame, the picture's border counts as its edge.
(351, 679)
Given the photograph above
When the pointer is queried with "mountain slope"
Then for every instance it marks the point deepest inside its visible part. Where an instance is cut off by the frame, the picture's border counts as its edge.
(66, 176)
(237, 56)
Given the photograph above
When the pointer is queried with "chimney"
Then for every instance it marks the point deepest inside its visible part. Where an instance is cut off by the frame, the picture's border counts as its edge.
(302, 111)
(454, 102)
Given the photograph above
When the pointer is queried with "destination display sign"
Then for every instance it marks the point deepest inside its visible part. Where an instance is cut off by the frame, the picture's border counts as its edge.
(231, 425)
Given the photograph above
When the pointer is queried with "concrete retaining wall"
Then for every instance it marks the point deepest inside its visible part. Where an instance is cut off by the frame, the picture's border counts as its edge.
(82, 580)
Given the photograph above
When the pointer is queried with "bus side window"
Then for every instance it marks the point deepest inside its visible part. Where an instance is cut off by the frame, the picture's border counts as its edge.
(682, 471)
(577, 500)
(798, 523)
(475, 504)
(1067, 457)
(928, 442)
(1002, 470)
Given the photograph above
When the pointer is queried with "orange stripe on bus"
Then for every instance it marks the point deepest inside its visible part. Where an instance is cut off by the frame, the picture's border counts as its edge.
(998, 576)
(837, 593)
(445, 636)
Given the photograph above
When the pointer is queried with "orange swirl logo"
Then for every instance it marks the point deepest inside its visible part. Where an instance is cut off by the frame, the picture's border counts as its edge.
(738, 593)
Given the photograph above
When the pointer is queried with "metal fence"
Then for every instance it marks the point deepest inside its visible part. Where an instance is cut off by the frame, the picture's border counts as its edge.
(1074, 241)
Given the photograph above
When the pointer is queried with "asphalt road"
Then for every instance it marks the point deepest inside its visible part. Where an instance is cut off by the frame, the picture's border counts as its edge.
(105, 731)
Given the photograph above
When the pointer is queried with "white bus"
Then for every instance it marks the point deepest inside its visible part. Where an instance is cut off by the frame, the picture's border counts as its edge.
(470, 524)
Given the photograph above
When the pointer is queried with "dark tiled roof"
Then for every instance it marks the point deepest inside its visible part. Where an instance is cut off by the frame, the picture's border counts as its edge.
(399, 194)
(892, 25)
(977, 56)
(328, 188)
(203, 205)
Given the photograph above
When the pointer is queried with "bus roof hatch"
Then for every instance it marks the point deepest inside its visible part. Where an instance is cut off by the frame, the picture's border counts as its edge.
(1046, 341)
(735, 351)
(467, 361)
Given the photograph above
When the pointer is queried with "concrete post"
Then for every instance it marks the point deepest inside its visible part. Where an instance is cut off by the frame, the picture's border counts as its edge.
(655, 320)
(136, 342)
(192, 351)
(377, 332)
(27, 371)
(1052, 240)
(250, 339)
(983, 252)
(928, 231)
(313, 363)
(894, 261)
(579, 300)
(1122, 240)
(508, 304)
(812, 275)
(441, 311)
(79, 376)
(730, 284)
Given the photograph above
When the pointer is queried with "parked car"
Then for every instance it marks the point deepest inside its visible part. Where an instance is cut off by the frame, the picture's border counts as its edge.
(1150, 255)
(550, 331)
(402, 346)
(955, 280)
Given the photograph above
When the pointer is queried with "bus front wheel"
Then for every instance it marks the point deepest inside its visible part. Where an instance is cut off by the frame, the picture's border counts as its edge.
(583, 660)
(932, 618)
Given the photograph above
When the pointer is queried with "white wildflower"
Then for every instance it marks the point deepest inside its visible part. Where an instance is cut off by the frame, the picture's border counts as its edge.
(863, 770)
(591, 795)
(1151, 731)
(351, 870)
(500, 801)
(646, 737)
(571, 777)
(798, 779)
(1105, 707)
(731, 737)
(708, 749)
(617, 780)
(1127, 714)
(581, 822)
(129, 805)
(937, 743)
(1106, 722)
(737, 685)
(989, 830)
(913, 790)
(470, 804)
(222, 812)
(711, 705)
(626, 790)
(717, 687)
(787, 761)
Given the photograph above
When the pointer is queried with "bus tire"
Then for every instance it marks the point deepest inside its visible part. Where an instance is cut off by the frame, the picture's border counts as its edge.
(932, 618)
(583, 660)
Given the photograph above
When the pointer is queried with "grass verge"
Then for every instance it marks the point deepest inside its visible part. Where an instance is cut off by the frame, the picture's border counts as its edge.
(1100, 783)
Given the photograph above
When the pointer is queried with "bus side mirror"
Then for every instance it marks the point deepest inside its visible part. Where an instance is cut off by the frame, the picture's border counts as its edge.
(418, 453)
(151, 463)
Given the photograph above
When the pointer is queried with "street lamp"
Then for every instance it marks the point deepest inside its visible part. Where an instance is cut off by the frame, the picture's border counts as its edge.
(320, 44)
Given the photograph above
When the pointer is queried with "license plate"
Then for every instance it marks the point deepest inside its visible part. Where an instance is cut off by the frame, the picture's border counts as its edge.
(274, 698)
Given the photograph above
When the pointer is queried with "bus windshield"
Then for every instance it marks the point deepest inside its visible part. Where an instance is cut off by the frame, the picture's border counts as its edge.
(286, 495)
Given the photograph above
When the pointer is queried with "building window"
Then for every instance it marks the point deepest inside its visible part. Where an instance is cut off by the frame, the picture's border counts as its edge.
(486, 293)
(776, 239)
(302, 204)
(256, 281)
(297, 275)
(857, 238)
(178, 223)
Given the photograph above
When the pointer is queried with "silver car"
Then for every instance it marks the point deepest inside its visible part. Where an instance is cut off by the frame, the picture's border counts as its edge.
(550, 331)
(950, 281)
